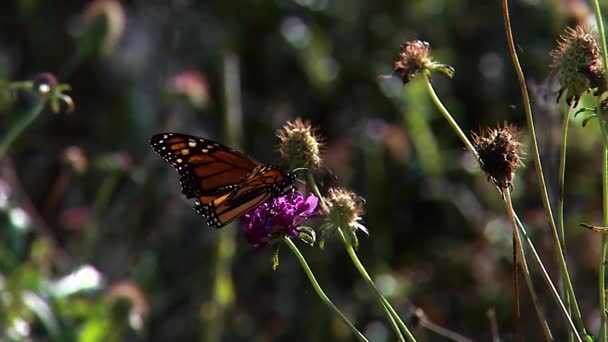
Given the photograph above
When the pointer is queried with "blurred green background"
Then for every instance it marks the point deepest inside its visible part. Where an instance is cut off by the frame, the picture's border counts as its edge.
(98, 244)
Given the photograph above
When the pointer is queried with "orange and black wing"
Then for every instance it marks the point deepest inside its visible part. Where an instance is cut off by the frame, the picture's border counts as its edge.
(260, 186)
(208, 169)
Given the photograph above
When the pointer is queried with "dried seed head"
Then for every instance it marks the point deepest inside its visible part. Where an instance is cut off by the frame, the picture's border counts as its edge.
(577, 61)
(344, 210)
(300, 146)
(414, 57)
(499, 152)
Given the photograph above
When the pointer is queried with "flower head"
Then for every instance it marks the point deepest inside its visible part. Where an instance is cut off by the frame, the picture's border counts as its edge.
(300, 146)
(499, 151)
(344, 210)
(106, 21)
(577, 61)
(46, 84)
(194, 86)
(415, 57)
(279, 218)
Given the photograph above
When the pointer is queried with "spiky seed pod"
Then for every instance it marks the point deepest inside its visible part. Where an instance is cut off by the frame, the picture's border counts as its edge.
(577, 61)
(499, 152)
(299, 145)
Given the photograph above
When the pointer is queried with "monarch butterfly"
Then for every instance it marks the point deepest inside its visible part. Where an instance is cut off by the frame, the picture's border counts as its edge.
(225, 182)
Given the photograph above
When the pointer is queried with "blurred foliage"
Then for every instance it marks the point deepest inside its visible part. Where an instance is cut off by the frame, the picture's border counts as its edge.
(98, 244)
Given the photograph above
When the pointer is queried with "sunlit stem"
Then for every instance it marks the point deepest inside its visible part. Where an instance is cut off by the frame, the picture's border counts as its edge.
(603, 334)
(391, 314)
(561, 195)
(548, 280)
(539, 169)
(524, 266)
(446, 114)
(319, 290)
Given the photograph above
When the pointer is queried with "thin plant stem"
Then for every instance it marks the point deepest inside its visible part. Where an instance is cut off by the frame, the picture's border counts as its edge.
(441, 331)
(319, 290)
(560, 199)
(102, 199)
(21, 125)
(539, 169)
(603, 333)
(446, 114)
(516, 303)
(524, 266)
(548, 280)
(603, 247)
(561, 195)
(493, 325)
(315, 189)
(223, 289)
(562, 176)
(391, 314)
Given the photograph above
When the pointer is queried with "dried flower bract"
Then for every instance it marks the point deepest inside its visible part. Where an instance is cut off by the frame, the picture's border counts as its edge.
(344, 210)
(499, 152)
(415, 57)
(577, 61)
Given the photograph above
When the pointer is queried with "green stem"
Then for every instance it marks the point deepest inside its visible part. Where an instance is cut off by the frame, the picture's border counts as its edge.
(391, 314)
(603, 246)
(561, 196)
(315, 190)
(21, 125)
(319, 290)
(446, 114)
(562, 177)
(603, 333)
(548, 280)
(539, 168)
(524, 266)
(102, 199)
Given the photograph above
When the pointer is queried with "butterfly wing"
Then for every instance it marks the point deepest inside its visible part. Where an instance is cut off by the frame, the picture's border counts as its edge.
(208, 169)
(260, 186)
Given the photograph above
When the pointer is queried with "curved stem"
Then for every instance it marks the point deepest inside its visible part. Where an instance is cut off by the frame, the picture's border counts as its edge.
(21, 125)
(446, 114)
(539, 169)
(319, 290)
(524, 266)
(391, 314)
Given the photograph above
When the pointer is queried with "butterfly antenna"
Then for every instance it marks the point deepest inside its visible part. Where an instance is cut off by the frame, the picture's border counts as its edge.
(300, 169)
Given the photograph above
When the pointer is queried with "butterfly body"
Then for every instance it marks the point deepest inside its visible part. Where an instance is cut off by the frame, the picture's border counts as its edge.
(225, 182)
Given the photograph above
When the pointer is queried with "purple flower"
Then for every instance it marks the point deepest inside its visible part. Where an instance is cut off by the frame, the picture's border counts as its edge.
(278, 218)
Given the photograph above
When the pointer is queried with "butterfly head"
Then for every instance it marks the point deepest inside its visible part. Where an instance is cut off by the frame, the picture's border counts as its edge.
(290, 179)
